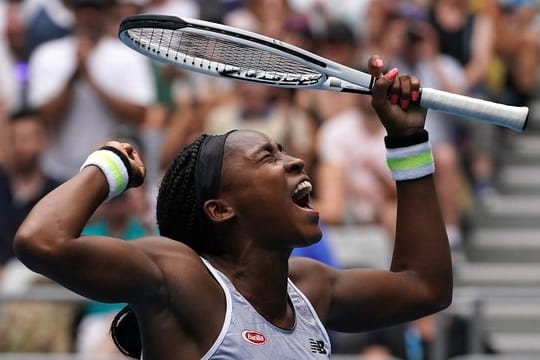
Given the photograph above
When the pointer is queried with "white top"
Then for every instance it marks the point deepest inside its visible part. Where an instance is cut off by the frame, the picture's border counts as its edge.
(88, 122)
(345, 142)
(247, 335)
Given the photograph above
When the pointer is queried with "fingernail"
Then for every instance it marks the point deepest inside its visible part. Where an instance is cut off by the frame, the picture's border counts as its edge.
(379, 63)
(393, 99)
(404, 104)
(391, 74)
(414, 96)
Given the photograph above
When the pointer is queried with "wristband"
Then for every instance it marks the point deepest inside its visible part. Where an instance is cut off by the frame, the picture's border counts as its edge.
(409, 157)
(115, 166)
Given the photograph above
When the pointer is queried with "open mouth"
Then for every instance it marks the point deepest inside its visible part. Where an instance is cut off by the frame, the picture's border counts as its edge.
(301, 193)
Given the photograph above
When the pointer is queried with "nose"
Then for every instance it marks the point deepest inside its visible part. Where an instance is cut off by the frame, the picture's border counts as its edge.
(294, 164)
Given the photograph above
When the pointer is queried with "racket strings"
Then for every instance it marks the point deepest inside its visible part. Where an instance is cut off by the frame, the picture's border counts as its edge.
(227, 57)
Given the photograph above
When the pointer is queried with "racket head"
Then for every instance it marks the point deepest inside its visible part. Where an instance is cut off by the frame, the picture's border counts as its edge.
(223, 51)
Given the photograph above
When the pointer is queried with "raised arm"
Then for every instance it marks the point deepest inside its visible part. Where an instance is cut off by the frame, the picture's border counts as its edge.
(420, 278)
(102, 268)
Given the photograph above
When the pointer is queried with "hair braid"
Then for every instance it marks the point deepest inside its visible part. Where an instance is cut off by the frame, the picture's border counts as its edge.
(177, 219)
(176, 202)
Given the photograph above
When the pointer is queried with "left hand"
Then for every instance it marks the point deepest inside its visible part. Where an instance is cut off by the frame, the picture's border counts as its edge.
(395, 99)
(137, 166)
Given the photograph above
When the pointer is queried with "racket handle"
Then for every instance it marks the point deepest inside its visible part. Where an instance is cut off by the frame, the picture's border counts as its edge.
(512, 117)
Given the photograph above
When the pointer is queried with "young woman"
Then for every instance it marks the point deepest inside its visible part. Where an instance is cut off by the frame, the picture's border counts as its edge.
(218, 282)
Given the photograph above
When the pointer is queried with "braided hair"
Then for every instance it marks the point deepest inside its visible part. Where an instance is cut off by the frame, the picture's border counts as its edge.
(177, 214)
(177, 218)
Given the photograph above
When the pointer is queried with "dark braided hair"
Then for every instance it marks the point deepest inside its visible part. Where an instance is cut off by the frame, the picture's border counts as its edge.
(177, 218)
(177, 215)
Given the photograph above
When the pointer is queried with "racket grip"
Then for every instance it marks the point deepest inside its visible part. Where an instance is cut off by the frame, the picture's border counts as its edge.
(512, 117)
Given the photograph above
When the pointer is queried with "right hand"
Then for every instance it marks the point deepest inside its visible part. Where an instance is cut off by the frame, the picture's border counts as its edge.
(395, 99)
(137, 166)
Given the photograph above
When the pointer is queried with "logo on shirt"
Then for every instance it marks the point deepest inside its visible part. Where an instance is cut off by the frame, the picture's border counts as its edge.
(253, 337)
(317, 346)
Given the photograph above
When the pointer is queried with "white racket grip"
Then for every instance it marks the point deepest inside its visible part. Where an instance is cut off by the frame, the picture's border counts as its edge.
(512, 117)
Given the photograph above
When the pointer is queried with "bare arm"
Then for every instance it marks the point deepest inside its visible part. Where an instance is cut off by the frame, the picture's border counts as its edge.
(101, 268)
(124, 109)
(420, 278)
(53, 111)
(482, 50)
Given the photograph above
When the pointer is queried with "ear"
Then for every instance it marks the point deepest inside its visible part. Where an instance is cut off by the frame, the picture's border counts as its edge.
(218, 210)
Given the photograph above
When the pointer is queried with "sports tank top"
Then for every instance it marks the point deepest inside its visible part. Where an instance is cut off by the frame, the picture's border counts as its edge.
(247, 335)
(458, 43)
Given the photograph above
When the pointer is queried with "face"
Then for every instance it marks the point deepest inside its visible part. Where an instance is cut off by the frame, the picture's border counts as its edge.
(90, 20)
(269, 191)
(28, 142)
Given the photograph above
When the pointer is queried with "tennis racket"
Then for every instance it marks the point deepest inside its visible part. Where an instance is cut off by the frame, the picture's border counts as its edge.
(228, 52)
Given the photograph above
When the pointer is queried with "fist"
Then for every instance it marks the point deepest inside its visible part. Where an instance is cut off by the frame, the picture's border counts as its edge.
(395, 98)
(138, 169)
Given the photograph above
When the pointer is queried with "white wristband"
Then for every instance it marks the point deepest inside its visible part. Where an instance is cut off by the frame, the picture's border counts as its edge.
(112, 166)
(410, 162)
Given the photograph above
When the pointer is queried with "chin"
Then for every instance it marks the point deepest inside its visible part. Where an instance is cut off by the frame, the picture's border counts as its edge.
(310, 238)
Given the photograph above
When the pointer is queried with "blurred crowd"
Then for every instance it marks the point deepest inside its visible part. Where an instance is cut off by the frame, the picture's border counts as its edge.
(67, 85)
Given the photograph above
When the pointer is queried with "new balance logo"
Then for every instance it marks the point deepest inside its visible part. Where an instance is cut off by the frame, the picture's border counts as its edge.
(317, 346)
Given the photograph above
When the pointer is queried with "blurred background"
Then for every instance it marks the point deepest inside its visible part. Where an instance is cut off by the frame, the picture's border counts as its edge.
(67, 85)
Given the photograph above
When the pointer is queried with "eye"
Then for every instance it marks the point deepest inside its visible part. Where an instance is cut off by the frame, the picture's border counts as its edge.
(269, 156)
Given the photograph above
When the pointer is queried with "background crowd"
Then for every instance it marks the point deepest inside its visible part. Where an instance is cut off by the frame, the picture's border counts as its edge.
(67, 84)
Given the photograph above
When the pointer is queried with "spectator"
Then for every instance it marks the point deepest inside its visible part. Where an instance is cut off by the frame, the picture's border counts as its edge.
(261, 108)
(46, 20)
(338, 43)
(383, 32)
(465, 35)
(22, 182)
(84, 86)
(34, 326)
(13, 56)
(518, 47)
(420, 55)
(354, 185)
(469, 37)
(415, 340)
(187, 8)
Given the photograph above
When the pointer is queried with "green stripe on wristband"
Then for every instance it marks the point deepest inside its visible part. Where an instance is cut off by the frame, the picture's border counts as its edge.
(114, 169)
(410, 162)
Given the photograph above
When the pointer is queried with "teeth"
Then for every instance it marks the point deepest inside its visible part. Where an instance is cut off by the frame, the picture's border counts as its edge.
(303, 185)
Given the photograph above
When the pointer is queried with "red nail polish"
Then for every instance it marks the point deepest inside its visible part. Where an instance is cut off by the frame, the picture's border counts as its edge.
(391, 74)
(379, 63)
(393, 99)
(414, 96)
(404, 104)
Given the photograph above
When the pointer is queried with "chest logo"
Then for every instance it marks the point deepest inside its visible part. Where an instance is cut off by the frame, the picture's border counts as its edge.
(317, 346)
(253, 337)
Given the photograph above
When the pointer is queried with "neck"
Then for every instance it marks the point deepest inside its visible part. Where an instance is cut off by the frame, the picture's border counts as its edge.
(261, 277)
(25, 184)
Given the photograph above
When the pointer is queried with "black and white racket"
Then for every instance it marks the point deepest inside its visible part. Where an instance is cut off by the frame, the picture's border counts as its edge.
(228, 52)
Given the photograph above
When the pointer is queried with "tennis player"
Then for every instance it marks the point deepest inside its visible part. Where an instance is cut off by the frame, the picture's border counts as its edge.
(218, 283)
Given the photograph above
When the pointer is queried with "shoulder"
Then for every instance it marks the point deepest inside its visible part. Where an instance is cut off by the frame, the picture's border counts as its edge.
(315, 280)
(303, 269)
(163, 249)
(180, 265)
(194, 299)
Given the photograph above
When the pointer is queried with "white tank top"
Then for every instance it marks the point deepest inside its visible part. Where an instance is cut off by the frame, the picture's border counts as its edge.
(247, 335)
